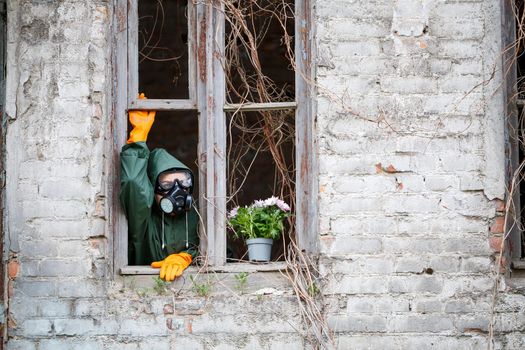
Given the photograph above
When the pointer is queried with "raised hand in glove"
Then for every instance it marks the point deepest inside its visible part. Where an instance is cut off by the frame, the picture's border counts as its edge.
(173, 266)
(142, 122)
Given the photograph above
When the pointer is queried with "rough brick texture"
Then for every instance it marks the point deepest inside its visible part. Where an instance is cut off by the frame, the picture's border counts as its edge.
(411, 169)
(408, 203)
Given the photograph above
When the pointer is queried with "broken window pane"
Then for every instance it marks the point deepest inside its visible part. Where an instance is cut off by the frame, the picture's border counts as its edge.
(163, 49)
(259, 168)
(259, 51)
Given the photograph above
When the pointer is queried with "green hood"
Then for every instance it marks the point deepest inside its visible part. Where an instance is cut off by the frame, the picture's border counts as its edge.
(160, 160)
(147, 228)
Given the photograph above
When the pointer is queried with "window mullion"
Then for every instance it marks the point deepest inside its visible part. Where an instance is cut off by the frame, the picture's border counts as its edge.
(211, 102)
(219, 147)
(306, 155)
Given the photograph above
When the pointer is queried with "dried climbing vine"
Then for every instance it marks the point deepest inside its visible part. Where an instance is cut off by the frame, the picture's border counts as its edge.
(248, 26)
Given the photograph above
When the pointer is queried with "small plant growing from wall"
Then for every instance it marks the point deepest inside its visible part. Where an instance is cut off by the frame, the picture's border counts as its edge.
(201, 289)
(242, 281)
(160, 287)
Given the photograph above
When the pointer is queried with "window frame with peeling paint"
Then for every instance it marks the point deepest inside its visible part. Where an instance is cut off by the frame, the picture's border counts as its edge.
(206, 34)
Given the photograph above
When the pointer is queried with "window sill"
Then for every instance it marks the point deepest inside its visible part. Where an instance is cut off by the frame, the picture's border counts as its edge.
(263, 279)
(228, 268)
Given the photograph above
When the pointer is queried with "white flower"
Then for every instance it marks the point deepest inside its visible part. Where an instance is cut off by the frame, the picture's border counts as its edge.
(258, 204)
(271, 201)
(282, 205)
(233, 212)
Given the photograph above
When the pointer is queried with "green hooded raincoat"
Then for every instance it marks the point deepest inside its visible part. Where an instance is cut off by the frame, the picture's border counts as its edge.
(139, 172)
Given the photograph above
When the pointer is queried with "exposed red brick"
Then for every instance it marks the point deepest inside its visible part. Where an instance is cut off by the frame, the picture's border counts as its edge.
(495, 243)
(11, 323)
(497, 225)
(390, 169)
(168, 309)
(189, 326)
(12, 269)
(500, 205)
(379, 168)
(98, 110)
(169, 323)
(327, 240)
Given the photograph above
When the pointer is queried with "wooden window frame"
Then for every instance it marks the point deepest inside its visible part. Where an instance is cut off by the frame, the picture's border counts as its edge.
(206, 35)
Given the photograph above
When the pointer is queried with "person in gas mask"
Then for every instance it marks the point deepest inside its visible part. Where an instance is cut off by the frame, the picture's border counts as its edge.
(156, 195)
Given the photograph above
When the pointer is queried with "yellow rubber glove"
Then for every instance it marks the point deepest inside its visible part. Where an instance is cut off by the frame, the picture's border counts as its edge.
(173, 266)
(142, 122)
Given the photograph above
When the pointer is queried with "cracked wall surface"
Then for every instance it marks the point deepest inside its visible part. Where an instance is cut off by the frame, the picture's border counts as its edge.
(411, 150)
(412, 174)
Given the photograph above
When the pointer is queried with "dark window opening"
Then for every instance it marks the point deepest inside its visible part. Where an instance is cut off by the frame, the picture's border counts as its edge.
(265, 46)
(162, 40)
(178, 133)
(163, 49)
(253, 173)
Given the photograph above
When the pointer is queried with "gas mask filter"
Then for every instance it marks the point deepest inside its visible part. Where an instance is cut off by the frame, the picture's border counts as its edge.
(176, 196)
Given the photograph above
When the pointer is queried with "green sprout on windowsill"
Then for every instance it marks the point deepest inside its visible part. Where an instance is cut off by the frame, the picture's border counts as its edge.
(160, 286)
(202, 289)
(242, 281)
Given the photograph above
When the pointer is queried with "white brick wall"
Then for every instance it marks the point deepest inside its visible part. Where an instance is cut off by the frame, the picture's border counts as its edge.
(410, 164)
(405, 207)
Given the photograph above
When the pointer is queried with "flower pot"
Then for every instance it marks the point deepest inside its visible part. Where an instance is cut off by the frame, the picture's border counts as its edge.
(259, 249)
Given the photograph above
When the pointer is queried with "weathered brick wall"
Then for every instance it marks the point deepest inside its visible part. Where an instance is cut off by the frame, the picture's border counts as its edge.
(411, 169)
(412, 162)
(62, 292)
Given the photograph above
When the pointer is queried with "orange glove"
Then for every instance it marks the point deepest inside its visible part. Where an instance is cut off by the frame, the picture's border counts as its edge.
(142, 122)
(173, 266)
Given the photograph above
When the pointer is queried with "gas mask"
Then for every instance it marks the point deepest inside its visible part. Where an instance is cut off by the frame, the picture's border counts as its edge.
(176, 195)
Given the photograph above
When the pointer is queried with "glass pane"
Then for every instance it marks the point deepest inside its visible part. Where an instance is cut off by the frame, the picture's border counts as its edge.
(261, 164)
(178, 133)
(259, 51)
(163, 49)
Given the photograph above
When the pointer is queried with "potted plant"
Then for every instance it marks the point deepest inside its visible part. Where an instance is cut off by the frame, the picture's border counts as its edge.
(260, 223)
